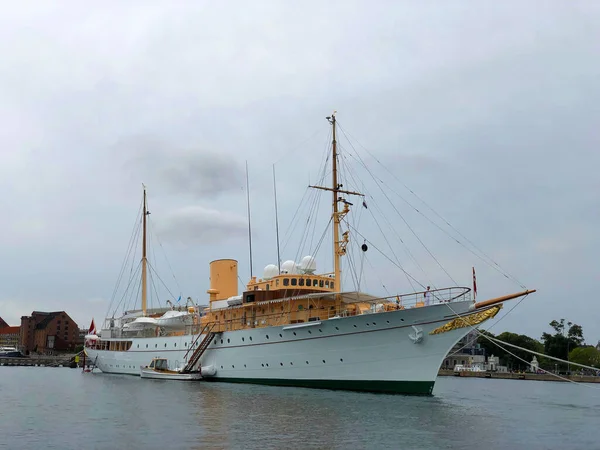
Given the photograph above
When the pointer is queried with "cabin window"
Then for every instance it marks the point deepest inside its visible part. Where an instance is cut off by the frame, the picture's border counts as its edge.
(294, 282)
(300, 307)
(320, 283)
(315, 283)
(301, 282)
(276, 282)
(286, 282)
(249, 298)
(267, 286)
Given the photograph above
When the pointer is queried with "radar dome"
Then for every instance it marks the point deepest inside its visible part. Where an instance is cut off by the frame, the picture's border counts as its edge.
(288, 267)
(308, 264)
(270, 271)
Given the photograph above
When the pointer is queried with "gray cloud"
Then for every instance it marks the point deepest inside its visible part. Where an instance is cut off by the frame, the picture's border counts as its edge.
(196, 224)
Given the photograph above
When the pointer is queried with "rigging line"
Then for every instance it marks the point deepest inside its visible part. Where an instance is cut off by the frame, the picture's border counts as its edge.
(288, 234)
(155, 290)
(126, 257)
(404, 220)
(160, 279)
(494, 263)
(385, 256)
(495, 341)
(167, 259)
(378, 277)
(406, 249)
(404, 246)
(301, 144)
(129, 299)
(127, 288)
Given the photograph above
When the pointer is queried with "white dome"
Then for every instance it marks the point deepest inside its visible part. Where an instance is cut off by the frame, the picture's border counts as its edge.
(308, 264)
(288, 267)
(270, 271)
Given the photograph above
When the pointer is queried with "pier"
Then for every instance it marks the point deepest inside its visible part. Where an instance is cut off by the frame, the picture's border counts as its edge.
(39, 361)
(521, 376)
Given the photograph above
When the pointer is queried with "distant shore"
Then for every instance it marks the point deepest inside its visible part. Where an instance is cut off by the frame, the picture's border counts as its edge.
(521, 376)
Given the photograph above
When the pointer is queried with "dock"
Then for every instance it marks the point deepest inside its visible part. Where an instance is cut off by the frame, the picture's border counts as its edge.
(39, 361)
(520, 376)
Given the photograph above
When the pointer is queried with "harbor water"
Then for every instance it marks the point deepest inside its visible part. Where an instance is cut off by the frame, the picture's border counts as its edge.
(61, 408)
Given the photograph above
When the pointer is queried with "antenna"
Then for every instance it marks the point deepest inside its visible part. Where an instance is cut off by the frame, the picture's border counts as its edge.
(249, 227)
(276, 223)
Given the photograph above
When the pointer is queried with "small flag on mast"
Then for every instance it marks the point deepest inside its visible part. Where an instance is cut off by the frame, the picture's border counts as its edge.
(474, 284)
(179, 299)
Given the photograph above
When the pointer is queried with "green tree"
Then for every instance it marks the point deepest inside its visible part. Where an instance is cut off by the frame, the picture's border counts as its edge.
(521, 358)
(567, 336)
(588, 356)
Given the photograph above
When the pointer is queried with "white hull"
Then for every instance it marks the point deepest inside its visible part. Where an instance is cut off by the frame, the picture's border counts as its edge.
(375, 352)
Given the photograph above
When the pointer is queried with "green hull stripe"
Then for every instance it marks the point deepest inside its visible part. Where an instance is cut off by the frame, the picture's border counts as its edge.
(391, 387)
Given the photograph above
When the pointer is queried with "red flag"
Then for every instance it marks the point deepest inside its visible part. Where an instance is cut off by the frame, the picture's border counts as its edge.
(474, 284)
(92, 328)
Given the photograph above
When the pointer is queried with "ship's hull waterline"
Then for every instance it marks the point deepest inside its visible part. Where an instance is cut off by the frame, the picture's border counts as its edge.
(382, 352)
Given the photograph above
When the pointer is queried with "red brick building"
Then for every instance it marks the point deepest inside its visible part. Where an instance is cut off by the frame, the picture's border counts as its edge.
(9, 337)
(48, 333)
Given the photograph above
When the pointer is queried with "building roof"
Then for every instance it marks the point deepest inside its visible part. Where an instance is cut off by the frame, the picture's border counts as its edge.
(2, 323)
(10, 330)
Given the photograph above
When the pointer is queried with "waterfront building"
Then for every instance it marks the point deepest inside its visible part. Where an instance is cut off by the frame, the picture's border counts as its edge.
(48, 333)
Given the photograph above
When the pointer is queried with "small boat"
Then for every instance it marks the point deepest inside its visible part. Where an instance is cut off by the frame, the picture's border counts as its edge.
(10, 352)
(158, 369)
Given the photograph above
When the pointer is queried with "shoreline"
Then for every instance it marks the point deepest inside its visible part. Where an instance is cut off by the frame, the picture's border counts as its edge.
(520, 376)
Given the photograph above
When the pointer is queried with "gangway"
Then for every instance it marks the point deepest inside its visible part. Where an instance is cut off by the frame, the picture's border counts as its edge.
(200, 349)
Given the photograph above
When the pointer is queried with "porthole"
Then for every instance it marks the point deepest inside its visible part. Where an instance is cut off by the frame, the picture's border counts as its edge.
(387, 321)
(280, 335)
(374, 324)
(309, 332)
(228, 341)
(306, 362)
(221, 367)
(175, 344)
(215, 342)
(138, 346)
(146, 345)
(341, 360)
(165, 345)
(244, 365)
(337, 328)
(291, 363)
(221, 341)
(320, 331)
(323, 361)
(267, 336)
(185, 344)
(263, 365)
(294, 333)
(281, 364)
(232, 366)
(355, 326)
(367, 323)
(155, 345)
(267, 364)
(401, 320)
(250, 337)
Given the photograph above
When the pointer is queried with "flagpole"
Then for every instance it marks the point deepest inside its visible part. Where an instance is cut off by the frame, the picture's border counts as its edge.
(474, 285)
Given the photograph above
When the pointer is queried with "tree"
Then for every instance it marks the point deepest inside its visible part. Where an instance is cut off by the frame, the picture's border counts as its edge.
(521, 358)
(588, 356)
(568, 336)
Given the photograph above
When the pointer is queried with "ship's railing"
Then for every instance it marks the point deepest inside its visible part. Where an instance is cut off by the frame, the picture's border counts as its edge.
(309, 310)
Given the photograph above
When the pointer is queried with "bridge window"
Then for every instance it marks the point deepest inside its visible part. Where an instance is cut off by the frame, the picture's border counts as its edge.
(286, 281)
(320, 283)
(301, 282)
(315, 283)
(294, 282)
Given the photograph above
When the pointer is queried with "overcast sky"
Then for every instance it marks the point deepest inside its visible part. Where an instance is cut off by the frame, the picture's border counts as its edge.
(487, 111)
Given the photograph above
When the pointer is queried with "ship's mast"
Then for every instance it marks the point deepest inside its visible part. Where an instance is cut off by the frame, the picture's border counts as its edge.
(144, 259)
(337, 268)
(339, 245)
